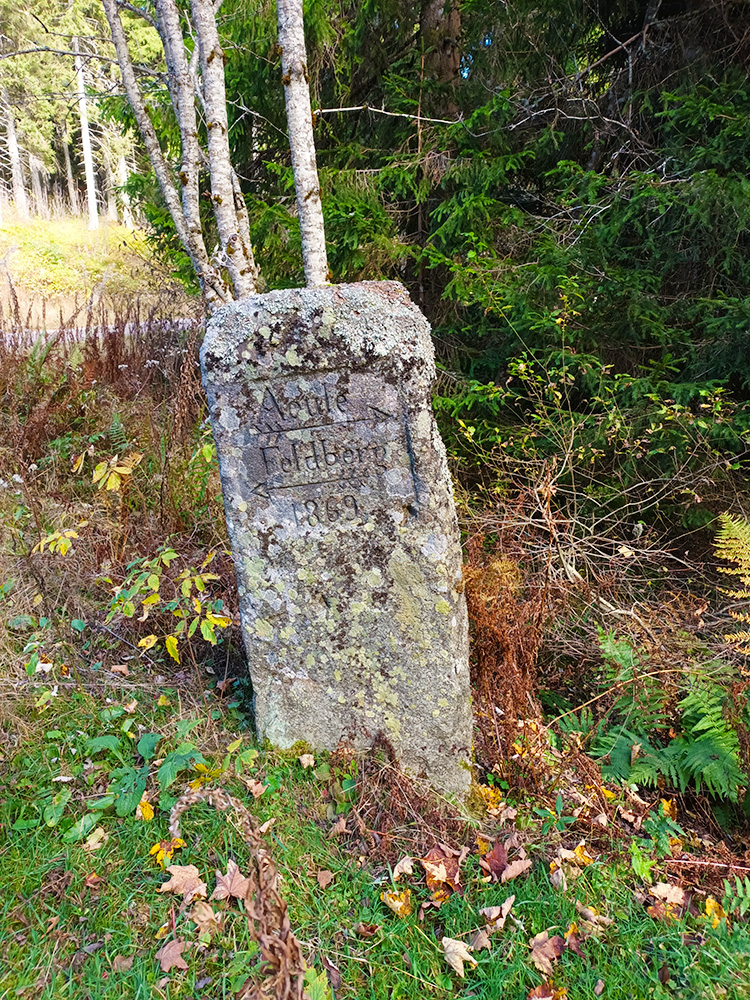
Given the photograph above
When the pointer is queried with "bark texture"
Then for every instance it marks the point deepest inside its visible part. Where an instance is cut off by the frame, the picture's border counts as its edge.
(20, 199)
(235, 242)
(302, 140)
(88, 159)
(212, 284)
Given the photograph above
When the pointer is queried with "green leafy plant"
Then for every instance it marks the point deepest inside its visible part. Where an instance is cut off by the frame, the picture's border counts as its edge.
(554, 819)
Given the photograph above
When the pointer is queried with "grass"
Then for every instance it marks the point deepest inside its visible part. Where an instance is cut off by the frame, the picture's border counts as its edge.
(61, 936)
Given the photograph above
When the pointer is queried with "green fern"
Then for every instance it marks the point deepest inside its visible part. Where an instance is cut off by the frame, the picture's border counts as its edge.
(736, 901)
(117, 435)
(733, 544)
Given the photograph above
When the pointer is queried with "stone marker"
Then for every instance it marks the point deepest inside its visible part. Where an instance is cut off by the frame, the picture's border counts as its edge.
(340, 512)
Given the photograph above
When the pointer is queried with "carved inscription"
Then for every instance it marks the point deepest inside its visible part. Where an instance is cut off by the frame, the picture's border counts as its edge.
(329, 449)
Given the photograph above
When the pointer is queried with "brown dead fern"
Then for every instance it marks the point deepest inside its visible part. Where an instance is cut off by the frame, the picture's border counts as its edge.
(283, 964)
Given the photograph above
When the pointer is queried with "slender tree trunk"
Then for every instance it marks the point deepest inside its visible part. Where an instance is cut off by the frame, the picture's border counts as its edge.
(225, 196)
(38, 187)
(302, 141)
(112, 214)
(88, 159)
(122, 179)
(20, 200)
(75, 206)
(212, 284)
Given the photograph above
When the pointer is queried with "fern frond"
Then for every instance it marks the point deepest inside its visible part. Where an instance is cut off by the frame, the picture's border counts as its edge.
(733, 544)
(736, 899)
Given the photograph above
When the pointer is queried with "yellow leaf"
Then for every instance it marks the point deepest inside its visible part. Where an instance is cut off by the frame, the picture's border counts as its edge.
(113, 482)
(670, 808)
(171, 644)
(234, 745)
(196, 605)
(220, 621)
(163, 931)
(715, 911)
(608, 794)
(398, 902)
(163, 701)
(148, 641)
(145, 810)
(99, 472)
(78, 461)
(582, 855)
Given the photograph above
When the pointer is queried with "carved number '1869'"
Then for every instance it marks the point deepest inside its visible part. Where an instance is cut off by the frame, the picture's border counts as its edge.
(314, 512)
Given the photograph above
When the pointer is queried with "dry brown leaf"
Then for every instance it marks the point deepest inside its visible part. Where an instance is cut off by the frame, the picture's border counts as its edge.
(399, 902)
(255, 787)
(495, 861)
(668, 893)
(170, 956)
(456, 953)
(514, 869)
(233, 884)
(265, 827)
(130, 706)
(307, 760)
(592, 919)
(495, 916)
(573, 941)
(325, 878)
(442, 867)
(599, 988)
(334, 974)
(120, 668)
(338, 827)
(544, 991)
(206, 919)
(93, 881)
(366, 930)
(121, 963)
(545, 950)
(404, 867)
(480, 940)
(185, 882)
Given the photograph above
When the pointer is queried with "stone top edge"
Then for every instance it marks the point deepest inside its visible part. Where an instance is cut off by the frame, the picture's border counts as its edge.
(328, 327)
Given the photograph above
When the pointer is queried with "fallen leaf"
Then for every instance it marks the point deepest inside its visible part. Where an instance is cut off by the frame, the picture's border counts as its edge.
(366, 930)
(307, 760)
(456, 953)
(715, 911)
(495, 861)
(544, 991)
(130, 706)
(334, 975)
(233, 884)
(545, 950)
(165, 849)
(52, 923)
(120, 668)
(93, 881)
(170, 956)
(265, 827)
(514, 869)
(599, 988)
(483, 843)
(206, 919)
(582, 856)
(121, 963)
(325, 878)
(592, 919)
(399, 902)
(480, 940)
(404, 867)
(223, 686)
(144, 810)
(185, 882)
(669, 893)
(573, 941)
(256, 788)
(96, 839)
(669, 808)
(442, 868)
(663, 974)
(163, 931)
(495, 916)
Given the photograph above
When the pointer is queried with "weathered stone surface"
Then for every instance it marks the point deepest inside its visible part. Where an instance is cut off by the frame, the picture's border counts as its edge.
(341, 517)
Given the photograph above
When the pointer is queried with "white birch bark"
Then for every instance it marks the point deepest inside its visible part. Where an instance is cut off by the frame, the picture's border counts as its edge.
(88, 158)
(212, 284)
(232, 228)
(302, 141)
(20, 200)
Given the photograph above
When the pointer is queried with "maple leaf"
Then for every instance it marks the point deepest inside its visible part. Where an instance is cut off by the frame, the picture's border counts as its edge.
(256, 788)
(669, 893)
(233, 884)
(170, 956)
(93, 881)
(121, 963)
(404, 867)
(456, 953)
(495, 916)
(545, 950)
(573, 941)
(495, 861)
(185, 881)
(443, 872)
(206, 919)
(399, 902)
(480, 939)
(514, 869)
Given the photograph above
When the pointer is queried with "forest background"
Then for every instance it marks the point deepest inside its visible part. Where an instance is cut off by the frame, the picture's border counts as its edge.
(562, 187)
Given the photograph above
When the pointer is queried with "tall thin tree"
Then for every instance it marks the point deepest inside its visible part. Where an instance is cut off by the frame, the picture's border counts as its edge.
(88, 158)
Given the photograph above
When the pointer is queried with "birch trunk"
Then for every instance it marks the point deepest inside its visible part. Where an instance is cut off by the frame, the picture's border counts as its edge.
(231, 225)
(212, 284)
(20, 200)
(88, 159)
(302, 141)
